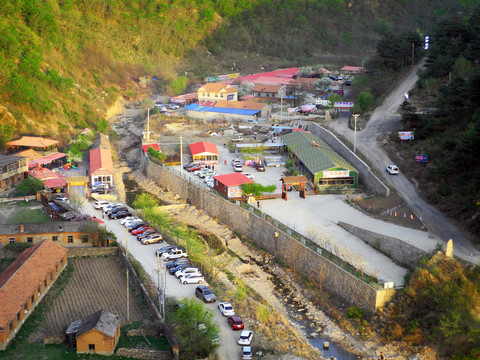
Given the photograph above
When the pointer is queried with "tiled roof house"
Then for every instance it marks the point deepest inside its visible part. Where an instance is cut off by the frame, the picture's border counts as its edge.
(24, 284)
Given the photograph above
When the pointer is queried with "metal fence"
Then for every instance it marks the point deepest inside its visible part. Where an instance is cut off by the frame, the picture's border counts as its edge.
(372, 281)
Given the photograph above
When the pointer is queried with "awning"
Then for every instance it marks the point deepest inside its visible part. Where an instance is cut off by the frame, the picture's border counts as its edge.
(46, 159)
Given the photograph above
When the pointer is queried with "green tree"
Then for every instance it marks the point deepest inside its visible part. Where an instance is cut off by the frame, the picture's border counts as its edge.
(178, 85)
(333, 98)
(145, 201)
(256, 189)
(29, 186)
(195, 330)
(365, 102)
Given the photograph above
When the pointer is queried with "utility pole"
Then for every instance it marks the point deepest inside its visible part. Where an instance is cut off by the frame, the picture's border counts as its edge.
(413, 51)
(128, 283)
(355, 133)
(181, 154)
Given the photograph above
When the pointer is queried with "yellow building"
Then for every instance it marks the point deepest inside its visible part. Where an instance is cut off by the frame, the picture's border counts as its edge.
(216, 91)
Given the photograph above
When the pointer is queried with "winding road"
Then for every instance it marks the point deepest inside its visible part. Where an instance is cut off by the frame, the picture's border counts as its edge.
(384, 120)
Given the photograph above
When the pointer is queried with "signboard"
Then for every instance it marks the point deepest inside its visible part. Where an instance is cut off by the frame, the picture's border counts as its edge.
(421, 158)
(336, 174)
(405, 135)
(308, 108)
(344, 105)
(178, 101)
(230, 97)
(291, 110)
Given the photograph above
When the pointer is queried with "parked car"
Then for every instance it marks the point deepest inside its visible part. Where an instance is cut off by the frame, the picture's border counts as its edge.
(248, 175)
(208, 172)
(136, 225)
(173, 106)
(174, 254)
(237, 139)
(237, 167)
(100, 204)
(236, 161)
(260, 167)
(173, 270)
(120, 214)
(128, 218)
(204, 293)
(392, 169)
(235, 322)
(246, 337)
(154, 238)
(192, 164)
(141, 230)
(195, 168)
(62, 199)
(117, 210)
(226, 309)
(186, 271)
(247, 353)
(145, 234)
(129, 223)
(181, 261)
(192, 279)
(164, 249)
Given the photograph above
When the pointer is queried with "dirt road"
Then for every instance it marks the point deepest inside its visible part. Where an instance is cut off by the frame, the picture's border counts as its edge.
(383, 121)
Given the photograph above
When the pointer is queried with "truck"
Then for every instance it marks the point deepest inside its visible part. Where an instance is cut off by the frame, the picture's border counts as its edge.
(239, 138)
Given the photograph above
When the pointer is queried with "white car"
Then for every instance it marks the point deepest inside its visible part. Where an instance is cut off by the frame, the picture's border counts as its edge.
(226, 309)
(392, 169)
(174, 254)
(247, 353)
(192, 279)
(187, 271)
(129, 223)
(129, 218)
(246, 337)
(100, 204)
(237, 167)
(250, 176)
(63, 199)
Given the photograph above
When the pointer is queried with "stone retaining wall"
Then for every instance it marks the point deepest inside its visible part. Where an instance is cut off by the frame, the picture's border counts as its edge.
(92, 252)
(403, 253)
(144, 354)
(366, 176)
(320, 270)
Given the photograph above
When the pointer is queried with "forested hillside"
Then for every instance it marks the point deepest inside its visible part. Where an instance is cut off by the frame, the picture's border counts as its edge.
(449, 130)
(64, 62)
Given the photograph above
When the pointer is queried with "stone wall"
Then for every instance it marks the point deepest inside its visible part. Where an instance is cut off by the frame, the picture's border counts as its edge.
(329, 276)
(91, 252)
(144, 354)
(366, 176)
(403, 253)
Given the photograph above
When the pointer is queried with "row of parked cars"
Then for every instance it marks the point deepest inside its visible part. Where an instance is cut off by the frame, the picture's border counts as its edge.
(202, 172)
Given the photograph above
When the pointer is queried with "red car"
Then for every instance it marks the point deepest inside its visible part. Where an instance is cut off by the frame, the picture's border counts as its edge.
(141, 230)
(235, 322)
(194, 168)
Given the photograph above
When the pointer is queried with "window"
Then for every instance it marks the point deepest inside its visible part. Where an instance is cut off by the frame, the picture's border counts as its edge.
(91, 347)
(221, 95)
(11, 240)
(45, 283)
(18, 317)
(70, 239)
(54, 238)
(29, 239)
(7, 181)
(84, 238)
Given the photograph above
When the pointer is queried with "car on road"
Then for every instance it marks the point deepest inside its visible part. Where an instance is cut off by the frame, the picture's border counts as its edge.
(154, 238)
(100, 204)
(204, 293)
(392, 169)
(120, 214)
(237, 168)
(174, 254)
(226, 309)
(181, 261)
(260, 167)
(141, 230)
(186, 271)
(247, 353)
(248, 175)
(192, 279)
(145, 234)
(246, 337)
(235, 322)
(173, 107)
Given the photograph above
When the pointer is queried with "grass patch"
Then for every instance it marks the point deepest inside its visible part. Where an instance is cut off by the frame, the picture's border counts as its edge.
(27, 216)
(139, 342)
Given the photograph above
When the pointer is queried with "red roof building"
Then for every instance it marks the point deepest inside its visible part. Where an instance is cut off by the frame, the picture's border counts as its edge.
(50, 179)
(204, 153)
(101, 166)
(42, 145)
(230, 185)
(51, 161)
(352, 69)
(24, 284)
(154, 146)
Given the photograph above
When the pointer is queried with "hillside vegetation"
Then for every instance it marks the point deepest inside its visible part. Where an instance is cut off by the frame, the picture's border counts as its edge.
(449, 130)
(440, 304)
(63, 63)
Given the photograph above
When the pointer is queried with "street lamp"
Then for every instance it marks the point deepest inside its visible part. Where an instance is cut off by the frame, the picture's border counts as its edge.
(355, 133)
(282, 92)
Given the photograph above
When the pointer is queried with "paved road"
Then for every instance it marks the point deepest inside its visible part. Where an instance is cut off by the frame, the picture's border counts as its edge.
(145, 255)
(384, 120)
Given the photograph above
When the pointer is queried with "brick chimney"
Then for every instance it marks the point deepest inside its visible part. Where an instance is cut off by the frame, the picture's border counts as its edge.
(22, 228)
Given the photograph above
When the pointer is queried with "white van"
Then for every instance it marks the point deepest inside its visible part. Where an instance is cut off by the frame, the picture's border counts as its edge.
(100, 204)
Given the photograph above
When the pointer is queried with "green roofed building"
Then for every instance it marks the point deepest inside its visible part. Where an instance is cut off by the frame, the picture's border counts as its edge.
(320, 162)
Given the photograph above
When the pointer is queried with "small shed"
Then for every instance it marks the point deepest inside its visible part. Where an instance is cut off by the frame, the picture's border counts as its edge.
(96, 334)
(204, 153)
(230, 185)
(289, 181)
